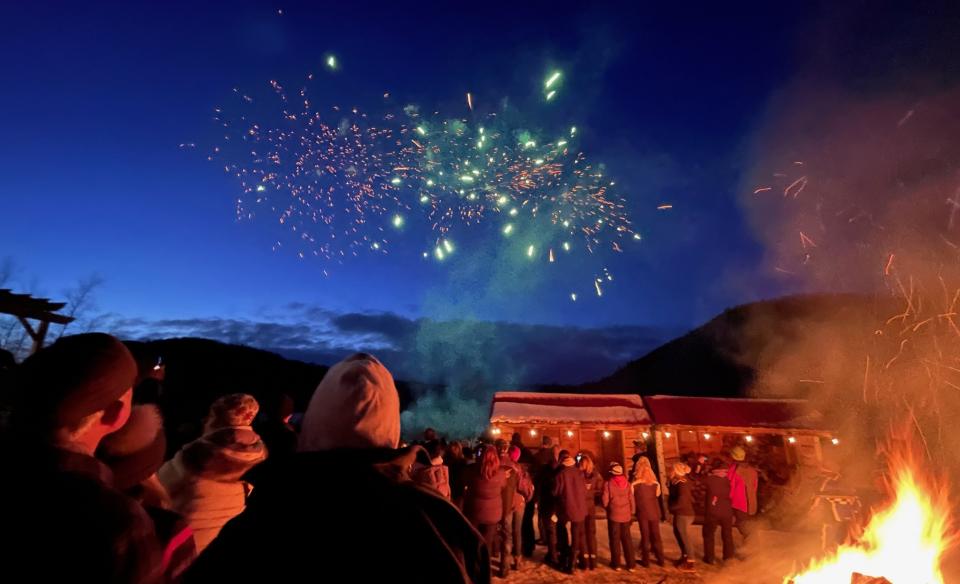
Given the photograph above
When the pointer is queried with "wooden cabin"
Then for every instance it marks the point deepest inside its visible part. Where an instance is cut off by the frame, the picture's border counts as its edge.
(779, 435)
(603, 425)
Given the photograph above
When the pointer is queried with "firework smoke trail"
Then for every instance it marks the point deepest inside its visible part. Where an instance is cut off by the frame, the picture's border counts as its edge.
(345, 182)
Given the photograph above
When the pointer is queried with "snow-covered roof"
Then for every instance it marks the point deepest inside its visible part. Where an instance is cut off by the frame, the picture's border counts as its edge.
(516, 407)
(780, 414)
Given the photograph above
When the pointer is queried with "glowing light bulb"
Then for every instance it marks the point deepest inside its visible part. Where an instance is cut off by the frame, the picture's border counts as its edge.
(748, 438)
(606, 434)
(569, 433)
(706, 436)
(533, 432)
(792, 440)
(835, 441)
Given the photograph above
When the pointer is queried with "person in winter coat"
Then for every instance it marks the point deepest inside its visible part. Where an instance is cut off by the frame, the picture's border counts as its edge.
(646, 491)
(483, 501)
(680, 503)
(570, 491)
(519, 489)
(617, 499)
(594, 484)
(429, 470)
(744, 481)
(456, 465)
(134, 454)
(719, 512)
(66, 520)
(204, 478)
(327, 508)
(547, 503)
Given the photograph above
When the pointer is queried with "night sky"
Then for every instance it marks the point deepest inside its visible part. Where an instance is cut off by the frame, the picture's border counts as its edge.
(99, 96)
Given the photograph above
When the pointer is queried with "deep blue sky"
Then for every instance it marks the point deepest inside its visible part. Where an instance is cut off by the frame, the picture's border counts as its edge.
(99, 95)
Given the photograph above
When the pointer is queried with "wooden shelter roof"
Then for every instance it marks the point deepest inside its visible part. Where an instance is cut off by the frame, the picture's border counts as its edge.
(774, 414)
(26, 306)
(514, 407)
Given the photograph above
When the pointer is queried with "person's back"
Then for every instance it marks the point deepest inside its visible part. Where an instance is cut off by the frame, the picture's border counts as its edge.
(345, 502)
(483, 500)
(717, 502)
(204, 479)
(647, 502)
(618, 499)
(571, 493)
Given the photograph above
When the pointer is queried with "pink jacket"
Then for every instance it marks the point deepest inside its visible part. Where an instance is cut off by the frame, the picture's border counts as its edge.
(738, 489)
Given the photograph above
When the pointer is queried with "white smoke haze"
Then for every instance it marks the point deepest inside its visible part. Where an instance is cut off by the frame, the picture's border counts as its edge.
(854, 190)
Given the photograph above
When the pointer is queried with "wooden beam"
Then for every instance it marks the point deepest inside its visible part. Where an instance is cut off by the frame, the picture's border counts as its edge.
(26, 325)
(41, 336)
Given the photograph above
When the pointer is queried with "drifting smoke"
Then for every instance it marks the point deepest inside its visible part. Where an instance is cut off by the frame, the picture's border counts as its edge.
(854, 191)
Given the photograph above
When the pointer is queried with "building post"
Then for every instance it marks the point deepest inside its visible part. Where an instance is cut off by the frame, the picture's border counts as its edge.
(662, 467)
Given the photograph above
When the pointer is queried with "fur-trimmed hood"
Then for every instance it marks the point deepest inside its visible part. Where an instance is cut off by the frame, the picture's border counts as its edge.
(139, 432)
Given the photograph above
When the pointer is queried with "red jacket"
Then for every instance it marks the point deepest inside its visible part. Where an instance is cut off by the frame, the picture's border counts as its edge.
(618, 500)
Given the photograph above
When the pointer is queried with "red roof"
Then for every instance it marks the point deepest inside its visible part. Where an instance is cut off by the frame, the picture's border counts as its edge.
(780, 414)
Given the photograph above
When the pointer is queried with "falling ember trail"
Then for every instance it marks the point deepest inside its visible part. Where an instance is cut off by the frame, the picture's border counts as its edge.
(886, 270)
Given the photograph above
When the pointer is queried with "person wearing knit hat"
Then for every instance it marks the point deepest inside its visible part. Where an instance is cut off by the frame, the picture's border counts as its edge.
(71, 523)
(618, 500)
(135, 454)
(680, 503)
(345, 499)
(205, 478)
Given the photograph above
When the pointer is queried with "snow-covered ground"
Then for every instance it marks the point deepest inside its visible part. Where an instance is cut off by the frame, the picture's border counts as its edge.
(769, 557)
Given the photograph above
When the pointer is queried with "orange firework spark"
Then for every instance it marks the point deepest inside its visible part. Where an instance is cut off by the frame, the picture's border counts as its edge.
(759, 190)
(796, 187)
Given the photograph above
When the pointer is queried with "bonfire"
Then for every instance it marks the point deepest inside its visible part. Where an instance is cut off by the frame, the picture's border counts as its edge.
(904, 541)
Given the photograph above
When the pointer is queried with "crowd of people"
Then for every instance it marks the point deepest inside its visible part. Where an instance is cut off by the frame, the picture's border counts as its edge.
(91, 493)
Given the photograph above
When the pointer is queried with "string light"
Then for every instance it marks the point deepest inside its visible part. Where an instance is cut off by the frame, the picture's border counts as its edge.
(569, 433)
(646, 435)
(792, 440)
(835, 441)
(706, 436)
(667, 434)
(606, 434)
(496, 431)
(748, 438)
(533, 432)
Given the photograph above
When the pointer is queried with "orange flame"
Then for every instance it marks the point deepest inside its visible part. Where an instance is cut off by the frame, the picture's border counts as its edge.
(904, 541)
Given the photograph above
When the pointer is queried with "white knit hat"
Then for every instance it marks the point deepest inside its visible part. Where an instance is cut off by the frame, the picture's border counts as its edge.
(356, 405)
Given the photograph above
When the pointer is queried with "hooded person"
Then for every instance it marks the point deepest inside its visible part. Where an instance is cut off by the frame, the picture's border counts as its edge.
(134, 454)
(570, 489)
(205, 478)
(69, 521)
(429, 470)
(329, 507)
(617, 499)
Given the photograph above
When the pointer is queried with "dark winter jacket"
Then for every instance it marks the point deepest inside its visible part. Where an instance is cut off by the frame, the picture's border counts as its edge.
(483, 499)
(647, 502)
(65, 523)
(618, 500)
(680, 501)
(571, 493)
(717, 503)
(546, 481)
(594, 485)
(456, 467)
(321, 514)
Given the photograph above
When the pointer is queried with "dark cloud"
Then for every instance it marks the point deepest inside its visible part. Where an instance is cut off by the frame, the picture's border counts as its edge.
(456, 352)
